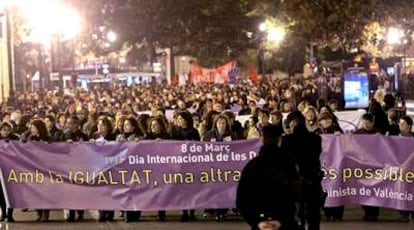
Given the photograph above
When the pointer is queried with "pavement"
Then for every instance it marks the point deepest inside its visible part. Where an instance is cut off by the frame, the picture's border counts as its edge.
(388, 220)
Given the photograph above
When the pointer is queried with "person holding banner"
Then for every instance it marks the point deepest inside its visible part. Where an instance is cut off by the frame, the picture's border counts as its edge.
(5, 214)
(73, 134)
(405, 126)
(38, 132)
(6, 134)
(327, 126)
(130, 132)
(220, 132)
(185, 131)
(104, 133)
(307, 158)
(157, 130)
(368, 127)
(266, 190)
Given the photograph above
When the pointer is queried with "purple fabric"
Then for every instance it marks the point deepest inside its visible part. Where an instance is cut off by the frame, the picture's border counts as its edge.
(124, 185)
(204, 185)
(371, 170)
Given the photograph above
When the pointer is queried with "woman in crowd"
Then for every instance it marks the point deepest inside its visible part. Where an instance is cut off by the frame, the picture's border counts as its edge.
(311, 118)
(53, 132)
(207, 122)
(393, 128)
(38, 132)
(236, 126)
(119, 124)
(157, 130)
(6, 132)
(5, 117)
(405, 126)
(185, 131)
(328, 109)
(104, 133)
(327, 126)
(368, 127)
(61, 121)
(90, 127)
(105, 130)
(131, 131)
(381, 120)
(285, 108)
(143, 122)
(251, 130)
(221, 132)
(263, 119)
(196, 121)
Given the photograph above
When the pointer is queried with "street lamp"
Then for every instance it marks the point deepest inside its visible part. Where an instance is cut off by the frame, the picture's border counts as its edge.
(394, 36)
(270, 34)
(262, 26)
(50, 22)
(50, 17)
(5, 11)
(111, 36)
(276, 34)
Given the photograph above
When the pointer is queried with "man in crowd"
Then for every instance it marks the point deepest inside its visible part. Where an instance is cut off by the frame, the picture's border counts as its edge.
(266, 192)
(305, 147)
(74, 134)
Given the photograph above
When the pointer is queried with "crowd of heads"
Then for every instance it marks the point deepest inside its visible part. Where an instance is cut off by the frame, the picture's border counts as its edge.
(141, 109)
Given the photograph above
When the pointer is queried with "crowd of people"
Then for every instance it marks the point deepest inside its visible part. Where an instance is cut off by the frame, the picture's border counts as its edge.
(201, 112)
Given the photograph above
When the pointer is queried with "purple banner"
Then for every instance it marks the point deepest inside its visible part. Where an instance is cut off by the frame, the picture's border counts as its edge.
(371, 170)
(144, 175)
(155, 175)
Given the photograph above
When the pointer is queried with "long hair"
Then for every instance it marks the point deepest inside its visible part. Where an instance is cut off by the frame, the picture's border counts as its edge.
(42, 130)
(135, 125)
(228, 126)
(188, 118)
(143, 121)
(160, 122)
(107, 123)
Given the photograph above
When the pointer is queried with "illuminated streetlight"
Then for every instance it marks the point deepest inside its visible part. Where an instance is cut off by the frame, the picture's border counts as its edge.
(6, 8)
(271, 35)
(111, 36)
(394, 36)
(47, 18)
(262, 26)
(276, 34)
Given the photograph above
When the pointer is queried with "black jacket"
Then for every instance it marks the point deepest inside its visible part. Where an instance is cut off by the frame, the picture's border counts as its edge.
(305, 148)
(78, 135)
(266, 189)
(185, 134)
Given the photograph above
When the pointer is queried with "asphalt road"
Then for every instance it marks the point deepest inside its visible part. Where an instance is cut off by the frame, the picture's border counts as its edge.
(26, 221)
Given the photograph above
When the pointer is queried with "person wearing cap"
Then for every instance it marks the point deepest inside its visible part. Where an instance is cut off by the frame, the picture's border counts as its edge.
(406, 125)
(266, 191)
(306, 155)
